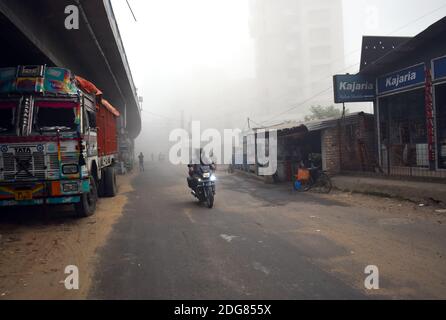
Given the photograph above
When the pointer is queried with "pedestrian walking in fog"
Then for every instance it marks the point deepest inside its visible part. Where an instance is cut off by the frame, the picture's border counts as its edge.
(141, 162)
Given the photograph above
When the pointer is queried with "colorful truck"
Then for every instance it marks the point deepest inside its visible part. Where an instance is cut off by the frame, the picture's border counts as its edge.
(58, 139)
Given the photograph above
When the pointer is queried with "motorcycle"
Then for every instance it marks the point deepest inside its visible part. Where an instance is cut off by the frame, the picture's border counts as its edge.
(202, 184)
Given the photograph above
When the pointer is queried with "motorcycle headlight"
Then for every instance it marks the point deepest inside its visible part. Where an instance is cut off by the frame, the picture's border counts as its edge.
(213, 178)
(70, 169)
(206, 175)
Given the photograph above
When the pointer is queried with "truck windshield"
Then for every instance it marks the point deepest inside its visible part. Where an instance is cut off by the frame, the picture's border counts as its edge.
(7, 117)
(53, 116)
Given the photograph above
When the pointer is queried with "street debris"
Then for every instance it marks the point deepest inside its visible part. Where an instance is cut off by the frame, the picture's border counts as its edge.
(437, 211)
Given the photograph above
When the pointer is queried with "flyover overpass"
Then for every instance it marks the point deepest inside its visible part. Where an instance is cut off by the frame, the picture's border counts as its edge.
(33, 32)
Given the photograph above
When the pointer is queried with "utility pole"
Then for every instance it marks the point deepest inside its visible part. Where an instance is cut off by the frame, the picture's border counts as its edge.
(140, 101)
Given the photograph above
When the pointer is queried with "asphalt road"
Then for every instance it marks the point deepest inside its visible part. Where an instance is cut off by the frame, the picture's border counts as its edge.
(261, 242)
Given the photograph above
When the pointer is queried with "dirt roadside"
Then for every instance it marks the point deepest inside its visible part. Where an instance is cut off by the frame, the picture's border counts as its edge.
(405, 239)
(35, 247)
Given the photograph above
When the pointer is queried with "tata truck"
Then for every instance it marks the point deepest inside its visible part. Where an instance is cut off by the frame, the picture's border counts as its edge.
(58, 139)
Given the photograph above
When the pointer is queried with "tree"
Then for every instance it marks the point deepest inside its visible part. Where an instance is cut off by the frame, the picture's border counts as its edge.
(320, 112)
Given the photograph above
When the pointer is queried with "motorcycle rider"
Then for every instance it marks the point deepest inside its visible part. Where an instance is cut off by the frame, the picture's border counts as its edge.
(194, 168)
(202, 180)
(204, 161)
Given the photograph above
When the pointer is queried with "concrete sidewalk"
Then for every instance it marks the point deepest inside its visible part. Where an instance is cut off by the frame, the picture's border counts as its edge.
(421, 192)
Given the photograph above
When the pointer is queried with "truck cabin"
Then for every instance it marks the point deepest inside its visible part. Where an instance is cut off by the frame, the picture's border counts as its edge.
(52, 116)
(36, 100)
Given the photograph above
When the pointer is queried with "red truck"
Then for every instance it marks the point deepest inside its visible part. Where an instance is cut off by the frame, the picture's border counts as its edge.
(58, 139)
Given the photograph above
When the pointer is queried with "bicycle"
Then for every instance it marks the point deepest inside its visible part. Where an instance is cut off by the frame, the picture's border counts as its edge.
(314, 178)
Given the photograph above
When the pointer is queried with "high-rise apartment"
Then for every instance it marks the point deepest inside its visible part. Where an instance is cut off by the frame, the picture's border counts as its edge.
(299, 45)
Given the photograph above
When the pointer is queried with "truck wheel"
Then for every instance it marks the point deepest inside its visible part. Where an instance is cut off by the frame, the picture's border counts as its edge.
(101, 185)
(110, 186)
(87, 206)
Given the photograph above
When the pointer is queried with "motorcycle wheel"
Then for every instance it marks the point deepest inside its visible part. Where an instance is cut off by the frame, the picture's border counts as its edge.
(210, 200)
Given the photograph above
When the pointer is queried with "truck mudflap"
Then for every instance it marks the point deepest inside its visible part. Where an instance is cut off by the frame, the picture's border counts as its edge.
(39, 193)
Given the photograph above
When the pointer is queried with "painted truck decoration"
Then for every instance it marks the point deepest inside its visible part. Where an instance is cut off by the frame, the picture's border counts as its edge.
(58, 139)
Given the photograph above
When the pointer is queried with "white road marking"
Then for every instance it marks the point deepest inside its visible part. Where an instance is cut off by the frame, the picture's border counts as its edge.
(227, 237)
(259, 267)
(187, 212)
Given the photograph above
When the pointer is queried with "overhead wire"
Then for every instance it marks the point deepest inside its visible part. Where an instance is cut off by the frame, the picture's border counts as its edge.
(131, 10)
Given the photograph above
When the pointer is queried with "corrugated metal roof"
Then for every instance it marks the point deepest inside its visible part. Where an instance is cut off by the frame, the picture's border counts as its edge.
(308, 126)
(291, 124)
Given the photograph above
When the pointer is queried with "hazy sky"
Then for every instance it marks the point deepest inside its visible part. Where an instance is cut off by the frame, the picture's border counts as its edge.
(172, 39)
(173, 36)
(386, 17)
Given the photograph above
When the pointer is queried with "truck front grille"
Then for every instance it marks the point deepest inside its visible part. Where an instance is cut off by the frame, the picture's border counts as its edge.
(39, 161)
(24, 166)
(53, 162)
(32, 166)
(8, 162)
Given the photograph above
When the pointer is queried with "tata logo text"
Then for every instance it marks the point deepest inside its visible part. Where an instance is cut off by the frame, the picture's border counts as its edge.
(355, 86)
(400, 79)
(22, 150)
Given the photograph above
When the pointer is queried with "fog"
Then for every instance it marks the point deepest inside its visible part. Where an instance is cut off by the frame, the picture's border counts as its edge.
(224, 61)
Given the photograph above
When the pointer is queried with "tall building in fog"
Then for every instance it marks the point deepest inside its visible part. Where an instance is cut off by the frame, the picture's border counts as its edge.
(299, 44)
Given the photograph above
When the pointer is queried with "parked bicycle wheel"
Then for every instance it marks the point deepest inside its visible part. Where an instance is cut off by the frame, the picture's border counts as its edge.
(323, 184)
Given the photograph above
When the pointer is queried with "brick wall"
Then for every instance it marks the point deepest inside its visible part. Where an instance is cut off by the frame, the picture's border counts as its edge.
(358, 149)
(330, 150)
(350, 147)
